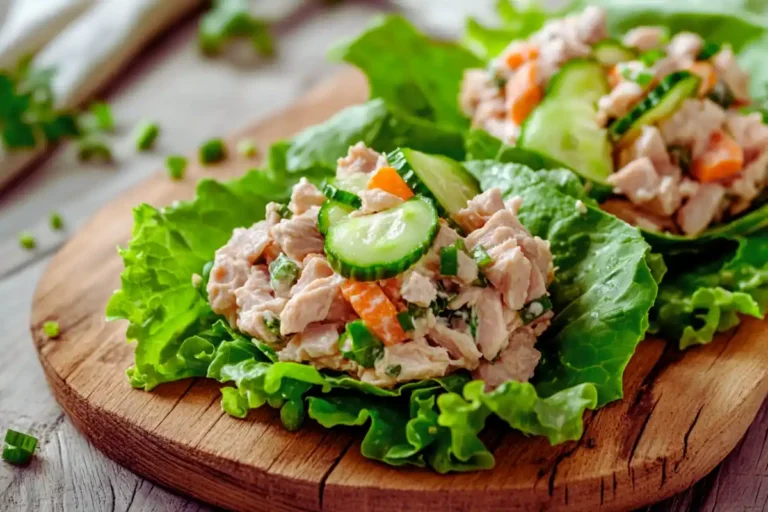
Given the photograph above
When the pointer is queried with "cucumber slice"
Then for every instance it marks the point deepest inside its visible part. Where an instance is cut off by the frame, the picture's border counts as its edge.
(660, 103)
(347, 190)
(439, 178)
(582, 79)
(330, 213)
(610, 52)
(564, 126)
(567, 130)
(385, 244)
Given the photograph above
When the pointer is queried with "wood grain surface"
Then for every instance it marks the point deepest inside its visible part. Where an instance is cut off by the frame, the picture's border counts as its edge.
(682, 413)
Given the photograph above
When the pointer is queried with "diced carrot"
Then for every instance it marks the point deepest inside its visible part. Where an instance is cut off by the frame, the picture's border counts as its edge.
(391, 288)
(520, 54)
(376, 310)
(523, 93)
(722, 159)
(614, 76)
(387, 179)
(706, 72)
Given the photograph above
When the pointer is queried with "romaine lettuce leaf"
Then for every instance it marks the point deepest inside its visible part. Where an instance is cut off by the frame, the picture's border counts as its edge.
(518, 21)
(696, 303)
(603, 289)
(409, 71)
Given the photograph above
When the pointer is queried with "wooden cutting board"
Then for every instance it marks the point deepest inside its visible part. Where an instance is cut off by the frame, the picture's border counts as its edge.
(682, 412)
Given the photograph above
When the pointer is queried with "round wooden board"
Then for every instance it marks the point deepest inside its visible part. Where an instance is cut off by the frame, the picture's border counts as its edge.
(681, 415)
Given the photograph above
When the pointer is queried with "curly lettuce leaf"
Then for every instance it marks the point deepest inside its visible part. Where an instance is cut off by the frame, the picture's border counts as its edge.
(696, 303)
(519, 19)
(411, 72)
(603, 289)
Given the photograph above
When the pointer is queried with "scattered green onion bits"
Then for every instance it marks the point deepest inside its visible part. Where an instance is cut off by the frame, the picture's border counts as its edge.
(406, 321)
(97, 119)
(247, 148)
(449, 260)
(177, 165)
(52, 329)
(56, 222)
(146, 135)
(93, 148)
(213, 151)
(27, 241)
(18, 448)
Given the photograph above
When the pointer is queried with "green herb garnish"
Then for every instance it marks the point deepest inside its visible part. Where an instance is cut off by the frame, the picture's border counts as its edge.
(394, 370)
(247, 148)
(55, 221)
(146, 135)
(27, 241)
(481, 256)
(708, 51)
(232, 19)
(176, 166)
(18, 448)
(52, 329)
(93, 147)
(406, 321)
(213, 151)
(97, 119)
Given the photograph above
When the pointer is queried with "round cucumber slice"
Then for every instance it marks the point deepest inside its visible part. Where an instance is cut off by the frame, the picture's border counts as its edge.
(347, 190)
(385, 244)
(610, 52)
(582, 79)
(439, 178)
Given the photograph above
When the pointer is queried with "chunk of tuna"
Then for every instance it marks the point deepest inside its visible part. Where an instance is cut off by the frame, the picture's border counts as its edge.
(479, 209)
(315, 267)
(645, 38)
(685, 44)
(492, 335)
(467, 271)
(227, 276)
(298, 236)
(637, 180)
(729, 72)
(693, 124)
(634, 215)
(304, 196)
(376, 200)
(620, 100)
(418, 289)
(359, 159)
(416, 359)
(311, 304)
(517, 361)
(459, 344)
(255, 303)
(748, 131)
(700, 210)
(315, 342)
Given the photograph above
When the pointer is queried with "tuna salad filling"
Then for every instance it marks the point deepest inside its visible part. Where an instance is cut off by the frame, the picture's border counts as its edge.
(367, 278)
(661, 120)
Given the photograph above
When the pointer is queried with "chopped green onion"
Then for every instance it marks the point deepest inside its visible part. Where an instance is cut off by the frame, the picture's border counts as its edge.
(708, 51)
(651, 57)
(449, 260)
(213, 151)
(406, 321)
(535, 309)
(56, 221)
(176, 165)
(641, 77)
(283, 272)
(98, 119)
(394, 370)
(473, 320)
(27, 241)
(247, 148)
(285, 212)
(146, 135)
(481, 256)
(231, 19)
(358, 344)
(18, 448)
(272, 323)
(93, 148)
(52, 329)
(681, 157)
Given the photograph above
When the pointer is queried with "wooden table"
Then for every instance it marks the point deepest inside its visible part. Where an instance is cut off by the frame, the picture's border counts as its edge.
(192, 99)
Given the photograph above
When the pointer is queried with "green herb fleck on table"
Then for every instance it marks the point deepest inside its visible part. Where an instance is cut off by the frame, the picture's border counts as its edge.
(232, 19)
(18, 448)
(146, 135)
(93, 147)
(213, 151)
(177, 166)
(56, 222)
(27, 241)
(247, 148)
(52, 329)
(98, 119)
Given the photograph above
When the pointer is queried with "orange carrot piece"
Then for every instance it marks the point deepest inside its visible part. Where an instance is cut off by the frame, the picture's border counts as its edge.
(706, 72)
(387, 179)
(722, 159)
(523, 93)
(391, 288)
(520, 54)
(614, 76)
(376, 310)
